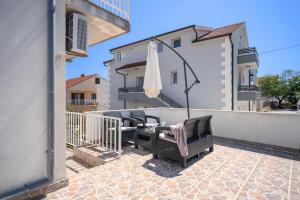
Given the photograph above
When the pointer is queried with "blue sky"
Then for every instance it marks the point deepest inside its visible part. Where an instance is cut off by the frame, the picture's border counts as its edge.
(271, 24)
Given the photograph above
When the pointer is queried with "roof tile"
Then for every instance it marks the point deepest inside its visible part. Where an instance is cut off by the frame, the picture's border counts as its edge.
(219, 32)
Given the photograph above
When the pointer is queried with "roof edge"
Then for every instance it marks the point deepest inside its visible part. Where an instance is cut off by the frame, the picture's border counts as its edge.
(149, 38)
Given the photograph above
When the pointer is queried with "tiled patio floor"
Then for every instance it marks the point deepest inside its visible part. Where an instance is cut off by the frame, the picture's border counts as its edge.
(232, 171)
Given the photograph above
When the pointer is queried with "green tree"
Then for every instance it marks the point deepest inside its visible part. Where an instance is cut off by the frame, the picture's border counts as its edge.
(284, 87)
(292, 80)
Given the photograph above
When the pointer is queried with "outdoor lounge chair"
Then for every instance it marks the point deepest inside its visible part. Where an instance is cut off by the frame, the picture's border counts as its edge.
(129, 125)
(199, 138)
(143, 119)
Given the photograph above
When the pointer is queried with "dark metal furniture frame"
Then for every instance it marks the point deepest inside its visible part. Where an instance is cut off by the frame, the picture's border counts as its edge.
(199, 138)
(145, 138)
(140, 116)
(126, 135)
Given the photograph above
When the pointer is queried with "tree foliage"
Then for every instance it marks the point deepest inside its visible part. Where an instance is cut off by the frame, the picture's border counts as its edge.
(284, 87)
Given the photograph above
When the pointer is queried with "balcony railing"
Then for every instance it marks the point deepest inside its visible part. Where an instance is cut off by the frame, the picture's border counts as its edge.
(82, 102)
(131, 89)
(250, 50)
(120, 8)
(244, 88)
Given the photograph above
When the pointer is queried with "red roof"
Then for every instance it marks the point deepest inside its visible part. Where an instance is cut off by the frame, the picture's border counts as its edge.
(219, 32)
(132, 65)
(74, 81)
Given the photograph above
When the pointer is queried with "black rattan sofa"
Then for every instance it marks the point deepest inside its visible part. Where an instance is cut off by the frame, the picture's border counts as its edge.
(199, 138)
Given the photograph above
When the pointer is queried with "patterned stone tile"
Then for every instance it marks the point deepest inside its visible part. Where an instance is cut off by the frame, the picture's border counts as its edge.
(295, 180)
(269, 180)
(232, 171)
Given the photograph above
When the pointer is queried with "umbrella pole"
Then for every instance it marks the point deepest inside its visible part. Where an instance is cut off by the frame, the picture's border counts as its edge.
(185, 64)
(186, 91)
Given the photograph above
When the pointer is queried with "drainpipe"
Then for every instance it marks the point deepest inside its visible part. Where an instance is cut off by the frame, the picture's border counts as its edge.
(124, 83)
(51, 91)
(232, 73)
(196, 33)
(249, 83)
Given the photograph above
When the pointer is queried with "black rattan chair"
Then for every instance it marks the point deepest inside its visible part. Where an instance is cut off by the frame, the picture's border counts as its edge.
(199, 138)
(129, 125)
(143, 119)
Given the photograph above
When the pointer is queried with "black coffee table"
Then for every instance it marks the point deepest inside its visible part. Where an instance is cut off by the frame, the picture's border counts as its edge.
(144, 138)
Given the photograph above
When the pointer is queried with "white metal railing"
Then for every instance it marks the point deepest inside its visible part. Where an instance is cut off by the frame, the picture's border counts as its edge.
(102, 131)
(82, 102)
(120, 8)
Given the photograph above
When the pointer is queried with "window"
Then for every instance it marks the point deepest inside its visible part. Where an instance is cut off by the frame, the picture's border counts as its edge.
(173, 78)
(121, 56)
(160, 47)
(97, 80)
(94, 96)
(176, 43)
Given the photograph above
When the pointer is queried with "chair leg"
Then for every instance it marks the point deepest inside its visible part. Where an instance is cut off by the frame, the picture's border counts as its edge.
(154, 156)
(183, 163)
(211, 149)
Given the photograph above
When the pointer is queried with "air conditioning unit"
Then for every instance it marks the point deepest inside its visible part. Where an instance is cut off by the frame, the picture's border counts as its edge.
(76, 33)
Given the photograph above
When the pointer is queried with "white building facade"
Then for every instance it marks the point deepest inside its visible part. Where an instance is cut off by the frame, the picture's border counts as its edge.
(221, 59)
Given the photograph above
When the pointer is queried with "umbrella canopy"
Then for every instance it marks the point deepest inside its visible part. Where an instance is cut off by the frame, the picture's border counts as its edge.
(152, 81)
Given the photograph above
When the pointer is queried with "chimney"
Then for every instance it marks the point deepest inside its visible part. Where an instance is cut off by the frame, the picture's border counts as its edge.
(81, 75)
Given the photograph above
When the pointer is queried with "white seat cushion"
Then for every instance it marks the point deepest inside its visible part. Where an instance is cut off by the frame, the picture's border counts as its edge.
(148, 125)
(167, 137)
(124, 129)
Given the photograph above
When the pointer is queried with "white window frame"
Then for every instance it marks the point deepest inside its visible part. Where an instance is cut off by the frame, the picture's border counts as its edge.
(172, 77)
(173, 42)
(121, 56)
(160, 47)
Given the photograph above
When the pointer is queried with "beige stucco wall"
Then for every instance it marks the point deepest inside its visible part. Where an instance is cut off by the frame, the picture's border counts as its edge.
(88, 87)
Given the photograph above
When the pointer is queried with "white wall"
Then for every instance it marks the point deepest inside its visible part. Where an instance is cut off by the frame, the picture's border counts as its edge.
(270, 128)
(23, 86)
(210, 59)
(280, 129)
(204, 57)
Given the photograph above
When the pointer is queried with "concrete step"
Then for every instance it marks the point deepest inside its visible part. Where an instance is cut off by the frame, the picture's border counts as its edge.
(93, 155)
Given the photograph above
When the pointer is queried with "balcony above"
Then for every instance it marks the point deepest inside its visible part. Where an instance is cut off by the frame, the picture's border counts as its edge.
(82, 102)
(138, 94)
(106, 18)
(248, 93)
(248, 57)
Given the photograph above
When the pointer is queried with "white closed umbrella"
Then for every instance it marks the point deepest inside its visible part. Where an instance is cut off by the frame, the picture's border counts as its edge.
(152, 81)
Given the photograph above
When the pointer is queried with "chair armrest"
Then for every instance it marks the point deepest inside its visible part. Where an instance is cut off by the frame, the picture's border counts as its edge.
(162, 128)
(153, 117)
(139, 120)
(133, 121)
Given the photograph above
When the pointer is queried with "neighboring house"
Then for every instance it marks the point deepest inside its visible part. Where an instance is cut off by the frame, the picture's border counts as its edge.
(87, 93)
(32, 84)
(221, 58)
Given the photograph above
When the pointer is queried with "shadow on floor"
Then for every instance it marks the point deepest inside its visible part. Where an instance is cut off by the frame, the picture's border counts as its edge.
(169, 168)
(256, 148)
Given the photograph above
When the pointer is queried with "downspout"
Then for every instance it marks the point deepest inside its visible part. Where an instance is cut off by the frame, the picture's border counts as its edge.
(196, 33)
(249, 83)
(232, 73)
(51, 91)
(124, 83)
